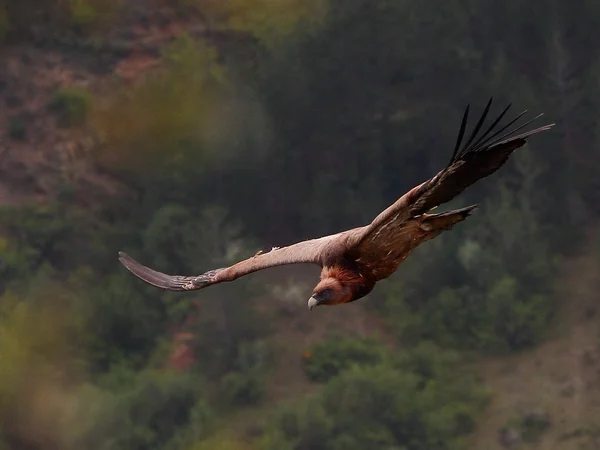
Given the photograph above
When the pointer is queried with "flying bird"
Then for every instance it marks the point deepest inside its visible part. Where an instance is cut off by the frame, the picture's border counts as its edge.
(353, 261)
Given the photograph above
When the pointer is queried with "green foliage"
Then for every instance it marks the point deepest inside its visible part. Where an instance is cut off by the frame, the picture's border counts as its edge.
(72, 106)
(182, 238)
(65, 237)
(87, 14)
(42, 346)
(15, 263)
(222, 345)
(429, 362)
(126, 322)
(222, 441)
(266, 20)
(158, 410)
(246, 385)
(387, 405)
(530, 425)
(30, 236)
(40, 228)
(83, 12)
(328, 358)
(501, 320)
(17, 128)
(242, 388)
(157, 132)
(18, 17)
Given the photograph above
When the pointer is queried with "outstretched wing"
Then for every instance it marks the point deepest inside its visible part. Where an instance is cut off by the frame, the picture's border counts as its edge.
(481, 155)
(310, 251)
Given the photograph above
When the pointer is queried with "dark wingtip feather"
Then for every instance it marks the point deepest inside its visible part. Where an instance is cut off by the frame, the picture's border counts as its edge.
(130, 263)
(478, 126)
(526, 134)
(149, 275)
(510, 135)
(162, 280)
(490, 137)
(125, 259)
(479, 141)
(461, 133)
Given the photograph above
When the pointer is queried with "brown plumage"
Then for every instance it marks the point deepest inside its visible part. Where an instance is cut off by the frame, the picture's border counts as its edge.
(353, 261)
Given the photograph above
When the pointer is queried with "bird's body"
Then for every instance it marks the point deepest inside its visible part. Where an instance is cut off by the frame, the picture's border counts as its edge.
(353, 261)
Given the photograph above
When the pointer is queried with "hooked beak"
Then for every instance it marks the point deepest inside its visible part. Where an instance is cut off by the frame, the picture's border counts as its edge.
(312, 302)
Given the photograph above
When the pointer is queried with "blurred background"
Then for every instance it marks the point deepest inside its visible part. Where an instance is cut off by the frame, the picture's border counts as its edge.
(192, 133)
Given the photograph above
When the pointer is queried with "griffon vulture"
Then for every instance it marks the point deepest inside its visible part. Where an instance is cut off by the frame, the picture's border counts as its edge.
(353, 261)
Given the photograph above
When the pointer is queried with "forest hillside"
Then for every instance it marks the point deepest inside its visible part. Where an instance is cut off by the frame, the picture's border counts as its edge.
(194, 133)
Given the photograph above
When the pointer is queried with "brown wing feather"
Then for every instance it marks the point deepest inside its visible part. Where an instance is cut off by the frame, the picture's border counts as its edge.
(310, 251)
(393, 229)
(383, 253)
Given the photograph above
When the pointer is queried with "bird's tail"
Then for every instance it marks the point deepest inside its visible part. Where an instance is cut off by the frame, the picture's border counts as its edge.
(446, 220)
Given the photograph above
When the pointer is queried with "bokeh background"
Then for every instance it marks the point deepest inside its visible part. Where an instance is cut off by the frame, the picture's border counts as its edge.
(192, 133)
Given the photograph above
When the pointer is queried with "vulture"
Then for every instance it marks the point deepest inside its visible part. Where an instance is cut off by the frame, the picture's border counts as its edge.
(353, 261)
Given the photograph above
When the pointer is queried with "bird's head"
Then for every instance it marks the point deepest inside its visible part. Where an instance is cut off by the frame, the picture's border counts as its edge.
(329, 291)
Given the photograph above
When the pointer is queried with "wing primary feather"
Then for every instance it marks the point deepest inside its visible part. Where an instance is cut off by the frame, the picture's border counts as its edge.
(527, 133)
(477, 127)
(485, 142)
(511, 133)
(490, 128)
(461, 134)
(159, 279)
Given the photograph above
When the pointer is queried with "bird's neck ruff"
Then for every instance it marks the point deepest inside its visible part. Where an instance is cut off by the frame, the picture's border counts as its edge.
(345, 276)
(359, 284)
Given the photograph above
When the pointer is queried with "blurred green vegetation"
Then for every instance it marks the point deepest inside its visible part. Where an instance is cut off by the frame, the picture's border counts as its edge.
(331, 356)
(21, 18)
(268, 21)
(327, 116)
(87, 14)
(418, 399)
(71, 105)
(159, 129)
(17, 129)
